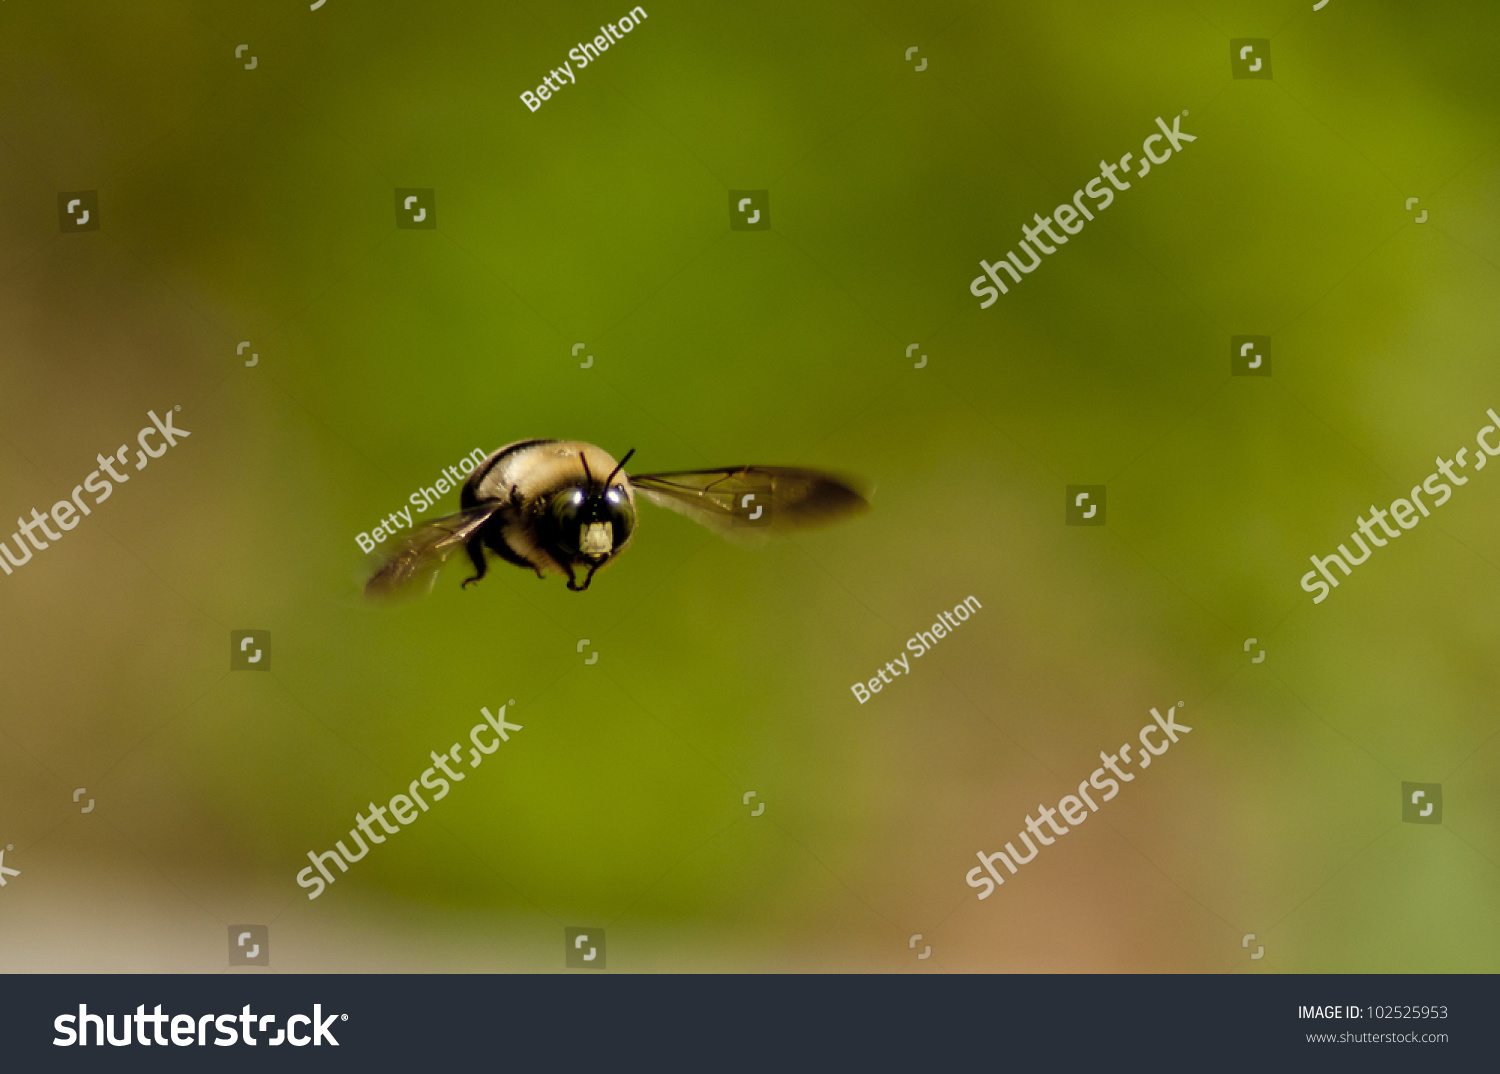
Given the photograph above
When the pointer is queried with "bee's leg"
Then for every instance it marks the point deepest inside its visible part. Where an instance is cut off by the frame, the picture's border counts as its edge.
(573, 582)
(475, 548)
(515, 502)
(586, 581)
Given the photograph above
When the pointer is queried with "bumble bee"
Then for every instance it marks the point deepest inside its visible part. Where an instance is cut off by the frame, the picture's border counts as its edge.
(566, 507)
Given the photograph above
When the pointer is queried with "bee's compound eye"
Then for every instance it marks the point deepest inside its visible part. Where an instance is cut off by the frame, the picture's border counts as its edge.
(621, 517)
(564, 517)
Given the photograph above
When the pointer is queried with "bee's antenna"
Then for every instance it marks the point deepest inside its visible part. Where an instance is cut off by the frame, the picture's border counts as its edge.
(618, 468)
(584, 458)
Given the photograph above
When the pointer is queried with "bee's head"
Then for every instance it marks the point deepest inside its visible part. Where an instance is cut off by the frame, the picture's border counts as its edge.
(592, 519)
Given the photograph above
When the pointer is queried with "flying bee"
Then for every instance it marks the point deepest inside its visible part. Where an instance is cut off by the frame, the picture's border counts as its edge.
(566, 507)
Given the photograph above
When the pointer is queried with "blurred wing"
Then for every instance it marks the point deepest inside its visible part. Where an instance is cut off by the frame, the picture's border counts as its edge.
(747, 501)
(422, 552)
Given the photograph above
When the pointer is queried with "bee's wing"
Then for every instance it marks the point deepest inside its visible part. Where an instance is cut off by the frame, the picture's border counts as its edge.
(727, 499)
(421, 553)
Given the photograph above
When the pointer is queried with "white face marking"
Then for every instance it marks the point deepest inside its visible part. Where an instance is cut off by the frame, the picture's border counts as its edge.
(595, 539)
(577, 497)
(613, 495)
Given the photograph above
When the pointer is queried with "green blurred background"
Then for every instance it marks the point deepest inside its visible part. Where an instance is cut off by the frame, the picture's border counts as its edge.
(257, 205)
